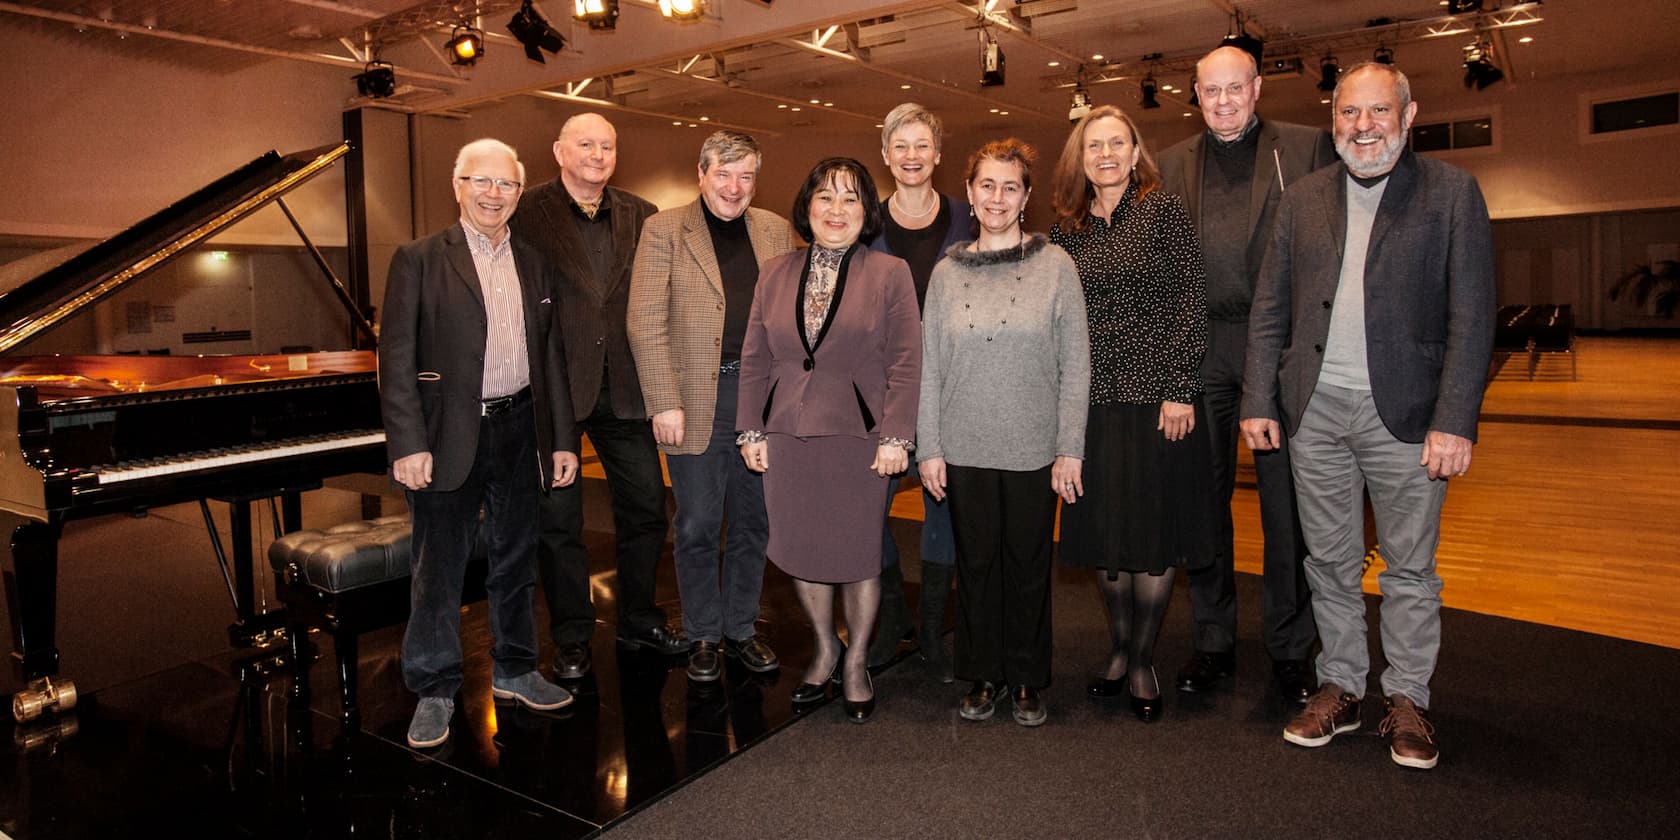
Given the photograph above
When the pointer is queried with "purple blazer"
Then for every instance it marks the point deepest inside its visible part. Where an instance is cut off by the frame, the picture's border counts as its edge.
(861, 376)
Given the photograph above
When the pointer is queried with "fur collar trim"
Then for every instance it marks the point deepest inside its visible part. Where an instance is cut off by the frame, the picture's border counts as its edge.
(960, 254)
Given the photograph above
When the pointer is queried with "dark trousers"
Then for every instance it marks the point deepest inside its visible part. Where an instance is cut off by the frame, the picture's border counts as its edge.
(712, 488)
(1287, 619)
(1004, 522)
(937, 546)
(637, 488)
(505, 483)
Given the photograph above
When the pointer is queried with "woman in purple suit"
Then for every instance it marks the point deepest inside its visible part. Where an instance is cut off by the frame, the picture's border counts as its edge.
(830, 372)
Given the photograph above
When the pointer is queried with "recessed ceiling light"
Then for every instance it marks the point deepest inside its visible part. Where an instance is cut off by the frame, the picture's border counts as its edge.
(705, 119)
(880, 125)
(816, 102)
(1526, 39)
(1185, 114)
(1055, 64)
(692, 125)
(676, 122)
(783, 105)
(796, 108)
(994, 110)
(1324, 101)
(828, 104)
(903, 87)
(1096, 57)
(1003, 113)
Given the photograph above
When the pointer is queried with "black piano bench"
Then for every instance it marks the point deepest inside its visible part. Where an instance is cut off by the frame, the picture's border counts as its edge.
(345, 580)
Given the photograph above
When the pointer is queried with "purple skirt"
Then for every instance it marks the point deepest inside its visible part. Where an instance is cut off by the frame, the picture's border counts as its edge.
(826, 508)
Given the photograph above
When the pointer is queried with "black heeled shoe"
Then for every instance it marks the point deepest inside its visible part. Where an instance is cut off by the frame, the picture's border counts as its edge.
(1105, 689)
(812, 692)
(1149, 709)
(858, 711)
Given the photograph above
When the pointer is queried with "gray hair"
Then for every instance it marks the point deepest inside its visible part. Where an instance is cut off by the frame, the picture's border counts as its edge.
(486, 146)
(1400, 82)
(726, 146)
(911, 113)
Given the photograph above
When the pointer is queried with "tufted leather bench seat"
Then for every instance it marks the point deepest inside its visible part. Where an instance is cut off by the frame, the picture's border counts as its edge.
(347, 580)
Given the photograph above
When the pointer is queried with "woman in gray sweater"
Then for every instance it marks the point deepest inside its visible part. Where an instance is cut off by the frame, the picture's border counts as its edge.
(1001, 427)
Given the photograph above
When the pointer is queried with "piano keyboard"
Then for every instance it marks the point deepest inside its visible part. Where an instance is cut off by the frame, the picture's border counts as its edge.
(211, 459)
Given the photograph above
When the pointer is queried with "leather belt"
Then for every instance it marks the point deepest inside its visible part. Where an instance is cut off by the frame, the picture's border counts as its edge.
(502, 405)
(730, 367)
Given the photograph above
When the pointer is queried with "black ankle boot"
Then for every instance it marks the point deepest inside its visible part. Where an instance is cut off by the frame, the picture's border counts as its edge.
(894, 620)
(936, 589)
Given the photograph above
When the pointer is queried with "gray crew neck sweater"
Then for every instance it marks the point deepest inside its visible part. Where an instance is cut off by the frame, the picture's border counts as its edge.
(1006, 360)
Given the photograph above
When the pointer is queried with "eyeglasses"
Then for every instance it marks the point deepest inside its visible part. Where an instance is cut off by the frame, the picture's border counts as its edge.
(482, 183)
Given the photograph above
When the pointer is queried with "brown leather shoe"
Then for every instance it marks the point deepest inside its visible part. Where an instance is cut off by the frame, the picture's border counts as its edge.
(1411, 737)
(1329, 712)
(980, 701)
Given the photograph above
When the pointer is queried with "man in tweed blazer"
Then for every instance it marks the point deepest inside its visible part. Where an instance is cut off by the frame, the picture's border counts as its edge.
(690, 292)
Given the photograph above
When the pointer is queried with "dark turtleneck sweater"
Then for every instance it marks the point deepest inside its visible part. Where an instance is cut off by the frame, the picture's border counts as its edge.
(1227, 179)
(738, 267)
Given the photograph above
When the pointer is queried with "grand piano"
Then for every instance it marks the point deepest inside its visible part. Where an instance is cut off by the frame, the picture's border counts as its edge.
(93, 435)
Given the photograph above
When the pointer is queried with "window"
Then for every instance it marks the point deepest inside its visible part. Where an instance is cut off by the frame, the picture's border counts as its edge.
(1457, 134)
(1636, 113)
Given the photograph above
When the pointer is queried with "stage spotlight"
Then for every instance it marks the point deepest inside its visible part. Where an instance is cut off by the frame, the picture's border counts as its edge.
(991, 62)
(465, 45)
(1148, 87)
(1479, 69)
(1244, 41)
(1081, 104)
(682, 9)
(1459, 7)
(1328, 70)
(534, 32)
(377, 81)
(599, 14)
(1383, 55)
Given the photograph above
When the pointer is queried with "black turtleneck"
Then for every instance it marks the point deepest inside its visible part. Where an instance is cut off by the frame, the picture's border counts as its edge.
(1227, 179)
(738, 267)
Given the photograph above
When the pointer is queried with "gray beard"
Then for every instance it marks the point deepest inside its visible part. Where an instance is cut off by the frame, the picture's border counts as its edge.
(1392, 148)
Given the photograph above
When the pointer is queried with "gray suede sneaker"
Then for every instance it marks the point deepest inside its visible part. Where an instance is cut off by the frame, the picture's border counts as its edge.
(430, 726)
(531, 690)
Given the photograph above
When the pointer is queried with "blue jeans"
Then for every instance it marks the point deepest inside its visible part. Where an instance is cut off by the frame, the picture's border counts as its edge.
(713, 488)
(505, 482)
(938, 546)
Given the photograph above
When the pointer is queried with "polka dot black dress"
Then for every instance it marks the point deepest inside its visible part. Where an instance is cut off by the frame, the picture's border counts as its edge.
(1148, 502)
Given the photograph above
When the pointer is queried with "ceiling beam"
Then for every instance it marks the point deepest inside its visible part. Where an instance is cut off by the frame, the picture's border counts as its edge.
(911, 78)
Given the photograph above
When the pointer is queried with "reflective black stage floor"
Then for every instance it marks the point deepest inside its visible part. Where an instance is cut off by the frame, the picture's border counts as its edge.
(179, 734)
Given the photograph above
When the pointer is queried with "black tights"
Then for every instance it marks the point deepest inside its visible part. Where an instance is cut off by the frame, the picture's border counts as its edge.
(862, 600)
(1137, 603)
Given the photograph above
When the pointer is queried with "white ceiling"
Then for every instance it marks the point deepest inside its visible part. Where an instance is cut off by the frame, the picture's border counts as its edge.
(744, 64)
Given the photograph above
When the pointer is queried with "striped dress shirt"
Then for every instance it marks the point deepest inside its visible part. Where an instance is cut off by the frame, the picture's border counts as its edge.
(507, 370)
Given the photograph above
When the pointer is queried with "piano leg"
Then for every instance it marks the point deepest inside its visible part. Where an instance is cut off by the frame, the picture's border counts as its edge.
(30, 568)
(251, 628)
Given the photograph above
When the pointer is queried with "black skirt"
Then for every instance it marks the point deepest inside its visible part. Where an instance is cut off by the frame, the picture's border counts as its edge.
(1148, 503)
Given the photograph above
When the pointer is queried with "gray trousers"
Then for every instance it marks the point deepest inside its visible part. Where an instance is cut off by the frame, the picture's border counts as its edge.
(1340, 449)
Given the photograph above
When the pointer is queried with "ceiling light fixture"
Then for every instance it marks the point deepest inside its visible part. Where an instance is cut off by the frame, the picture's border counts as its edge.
(1328, 71)
(1459, 7)
(534, 32)
(377, 80)
(1081, 105)
(1479, 69)
(682, 9)
(1383, 55)
(1237, 36)
(1148, 87)
(599, 14)
(991, 60)
(465, 46)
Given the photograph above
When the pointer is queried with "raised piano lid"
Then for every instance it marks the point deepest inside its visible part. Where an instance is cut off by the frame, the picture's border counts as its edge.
(32, 303)
(55, 378)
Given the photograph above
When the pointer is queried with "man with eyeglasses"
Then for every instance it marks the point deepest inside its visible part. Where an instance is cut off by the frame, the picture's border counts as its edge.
(1231, 177)
(587, 230)
(472, 389)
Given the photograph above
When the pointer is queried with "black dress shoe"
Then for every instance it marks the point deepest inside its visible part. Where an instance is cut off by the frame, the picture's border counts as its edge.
(1295, 679)
(1105, 689)
(571, 662)
(1029, 707)
(858, 711)
(1205, 670)
(980, 701)
(705, 662)
(658, 639)
(1147, 709)
(755, 655)
(812, 692)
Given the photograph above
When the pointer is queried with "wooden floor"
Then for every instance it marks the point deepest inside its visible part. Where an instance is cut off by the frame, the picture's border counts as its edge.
(1564, 518)
(1570, 515)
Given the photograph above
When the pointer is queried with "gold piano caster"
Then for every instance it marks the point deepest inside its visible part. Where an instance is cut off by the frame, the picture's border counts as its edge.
(45, 735)
(43, 695)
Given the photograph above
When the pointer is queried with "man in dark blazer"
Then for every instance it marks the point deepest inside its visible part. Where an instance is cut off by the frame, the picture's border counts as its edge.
(588, 230)
(472, 389)
(1231, 178)
(1373, 328)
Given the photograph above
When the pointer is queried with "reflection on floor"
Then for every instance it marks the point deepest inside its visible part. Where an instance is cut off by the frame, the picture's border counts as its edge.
(208, 735)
